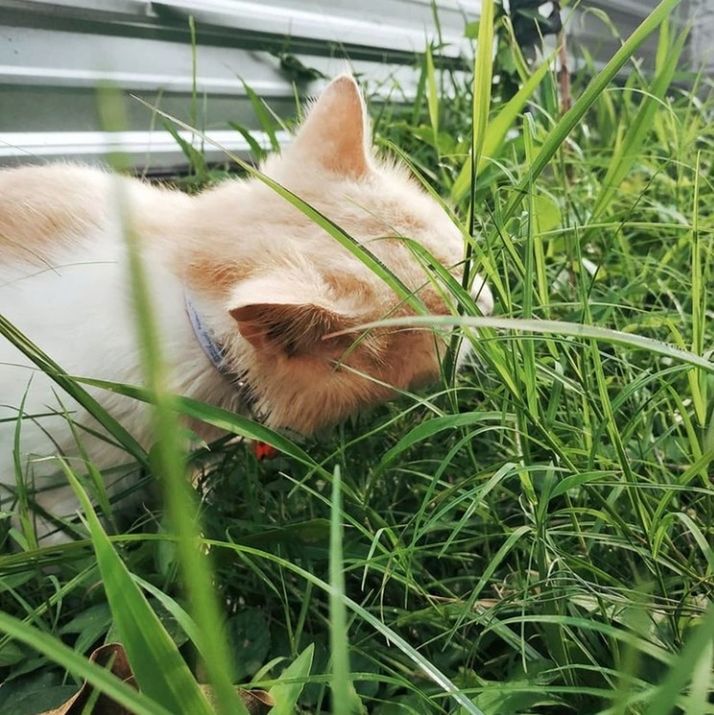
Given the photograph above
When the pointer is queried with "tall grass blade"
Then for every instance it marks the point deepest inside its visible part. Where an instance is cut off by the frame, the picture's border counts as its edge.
(432, 95)
(343, 694)
(169, 449)
(570, 119)
(480, 106)
(159, 668)
(548, 327)
(527, 347)
(697, 381)
(170, 460)
(483, 78)
(497, 130)
(21, 491)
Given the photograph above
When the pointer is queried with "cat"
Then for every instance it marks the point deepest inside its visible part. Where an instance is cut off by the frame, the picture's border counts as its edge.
(246, 289)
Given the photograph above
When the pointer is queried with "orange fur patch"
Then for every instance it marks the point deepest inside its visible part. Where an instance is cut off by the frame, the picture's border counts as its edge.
(45, 209)
(270, 282)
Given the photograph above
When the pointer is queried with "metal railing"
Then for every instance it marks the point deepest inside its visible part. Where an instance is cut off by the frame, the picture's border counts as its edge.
(53, 56)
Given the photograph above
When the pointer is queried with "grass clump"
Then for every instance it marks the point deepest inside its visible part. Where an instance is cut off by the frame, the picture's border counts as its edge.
(533, 538)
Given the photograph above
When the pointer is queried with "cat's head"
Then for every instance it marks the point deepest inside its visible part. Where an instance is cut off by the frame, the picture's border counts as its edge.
(297, 286)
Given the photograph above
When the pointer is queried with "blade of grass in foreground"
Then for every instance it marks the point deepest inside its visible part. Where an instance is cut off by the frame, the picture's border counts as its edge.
(159, 668)
(170, 448)
(180, 500)
(545, 327)
(344, 698)
(100, 678)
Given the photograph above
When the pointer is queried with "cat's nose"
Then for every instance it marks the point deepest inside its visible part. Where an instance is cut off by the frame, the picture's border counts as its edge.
(481, 293)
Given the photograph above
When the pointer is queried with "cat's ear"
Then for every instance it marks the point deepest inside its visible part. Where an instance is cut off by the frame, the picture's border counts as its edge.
(335, 133)
(285, 317)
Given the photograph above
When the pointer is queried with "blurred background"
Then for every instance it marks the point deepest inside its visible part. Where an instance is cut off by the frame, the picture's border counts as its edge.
(53, 55)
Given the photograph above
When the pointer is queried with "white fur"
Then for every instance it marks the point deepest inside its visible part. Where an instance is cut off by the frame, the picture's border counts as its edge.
(80, 312)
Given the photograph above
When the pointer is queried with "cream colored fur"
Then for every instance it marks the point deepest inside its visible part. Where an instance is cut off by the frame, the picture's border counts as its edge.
(267, 281)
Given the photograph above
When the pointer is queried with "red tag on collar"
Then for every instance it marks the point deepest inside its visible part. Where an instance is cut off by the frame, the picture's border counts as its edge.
(262, 451)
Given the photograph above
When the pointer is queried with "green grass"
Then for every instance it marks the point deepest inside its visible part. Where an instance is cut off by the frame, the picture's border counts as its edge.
(535, 537)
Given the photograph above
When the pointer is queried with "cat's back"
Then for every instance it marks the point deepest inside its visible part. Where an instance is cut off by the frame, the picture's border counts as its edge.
(46, 209)
(64, 283)
(60, 265)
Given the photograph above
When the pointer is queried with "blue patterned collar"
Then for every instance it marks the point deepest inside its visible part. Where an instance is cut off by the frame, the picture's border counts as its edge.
(215, 352)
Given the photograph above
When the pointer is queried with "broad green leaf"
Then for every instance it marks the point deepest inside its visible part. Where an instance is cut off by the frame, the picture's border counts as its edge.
(286, 691)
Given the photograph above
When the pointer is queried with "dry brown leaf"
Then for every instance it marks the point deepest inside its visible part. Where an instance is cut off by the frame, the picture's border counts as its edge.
(113, 657)
(257, 702)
